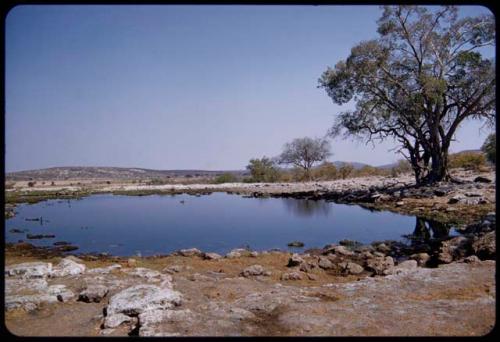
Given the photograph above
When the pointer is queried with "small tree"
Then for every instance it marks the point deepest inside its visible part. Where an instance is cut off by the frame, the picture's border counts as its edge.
(489, 148)
(263, 170)
(304, 153)
(225, 178)
(346, 170)
(326, 171)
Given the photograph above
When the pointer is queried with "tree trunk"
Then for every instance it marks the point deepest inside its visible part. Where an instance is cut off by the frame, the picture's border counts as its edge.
(439, 167)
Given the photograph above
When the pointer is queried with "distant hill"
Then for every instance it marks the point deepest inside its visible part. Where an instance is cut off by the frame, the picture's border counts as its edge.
(356, 165)
(87, 172)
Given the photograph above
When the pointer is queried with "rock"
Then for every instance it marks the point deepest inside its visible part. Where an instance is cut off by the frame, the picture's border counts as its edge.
(440, 192)
(145, 273)
(211, 256)
(131, 262)
(105, 270)
(93, 293)
(383, 248)
(23, 285)
(16, 231)
(295, 260)
(28, 302)
(379, 265)
(138, 299)
(30, 269)
(190, 252)
(405, 267)
(173, 269)
(115, 320)
(453, 249)
(471, 259)
(312, 276)
(351, 268)
(472, 194)
(254, 254)
(253, 270)
(296, 244)
(40, 236)
(236, 253)
(291, 276)
(325, 264)
(481, 179)
(400, 203)
(67, 267)
(61, 243)
(456, 199)
(421, 258)
(485, 246)
(342, 250)
(305, 267)
(350, 243)
(62, 293)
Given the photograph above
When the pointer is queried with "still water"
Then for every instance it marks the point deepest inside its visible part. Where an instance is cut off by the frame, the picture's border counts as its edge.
(156, 224)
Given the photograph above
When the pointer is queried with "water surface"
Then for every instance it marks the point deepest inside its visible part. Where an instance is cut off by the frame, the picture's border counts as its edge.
(159, 224)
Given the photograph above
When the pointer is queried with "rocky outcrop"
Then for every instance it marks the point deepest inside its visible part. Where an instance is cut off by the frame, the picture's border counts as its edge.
(93, 293)
(66, 267)
(30, 270)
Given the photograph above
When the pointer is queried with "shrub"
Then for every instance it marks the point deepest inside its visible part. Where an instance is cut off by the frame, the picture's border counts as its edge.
(467, 160)
(263, 170)
(225, 178)
(490, 149)
(31, 184)
(325, 171)
(345, 170)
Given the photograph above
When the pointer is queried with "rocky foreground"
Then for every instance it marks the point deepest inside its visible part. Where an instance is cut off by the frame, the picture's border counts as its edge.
(348, 289)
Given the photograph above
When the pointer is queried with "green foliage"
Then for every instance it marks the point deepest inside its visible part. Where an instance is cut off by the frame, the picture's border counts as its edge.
(225, 178)
(467, 160)
(490, 149)
(263, 170)
(416, 83)
(304, 153)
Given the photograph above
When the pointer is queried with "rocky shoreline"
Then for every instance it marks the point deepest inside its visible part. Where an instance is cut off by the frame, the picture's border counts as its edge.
(181, 293)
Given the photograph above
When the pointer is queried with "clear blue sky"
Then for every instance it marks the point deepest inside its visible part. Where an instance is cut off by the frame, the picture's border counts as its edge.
(178, 87)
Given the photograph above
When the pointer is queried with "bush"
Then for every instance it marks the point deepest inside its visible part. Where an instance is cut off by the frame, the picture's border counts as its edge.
(263, 170)
(225, 178)
(490, 149)
(325, 171)
(31, 184)
(403, 166)
(345, 170)
(467, 160)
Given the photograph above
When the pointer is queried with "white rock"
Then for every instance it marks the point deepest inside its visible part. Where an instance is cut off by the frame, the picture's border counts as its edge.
(67, 267)
(105, 270)
(140, 298)
(30, 269)
(113, 321)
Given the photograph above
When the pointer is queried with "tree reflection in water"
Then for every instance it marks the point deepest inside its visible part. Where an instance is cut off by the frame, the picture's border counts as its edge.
(306, 208)
(426, 229)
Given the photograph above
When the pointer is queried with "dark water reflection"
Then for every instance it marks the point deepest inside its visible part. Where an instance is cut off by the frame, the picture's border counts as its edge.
(127, 225)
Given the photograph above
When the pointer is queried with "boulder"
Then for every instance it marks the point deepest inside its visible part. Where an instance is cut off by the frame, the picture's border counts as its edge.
(105, 270)
(351, 268)
(453, 249)
(253, 270)
(291, 276)
(236, 253)
(29, 269)
(341, 250)
(295, 260)
(211, 256)
(190, 252)
(420, 258)
(485, 246)
(146, 273)
(380, 265)
(62, 293)
(93, 293)
(405, 267)
(481, 179)
(137, 299)
(295, 244)
(325, 263)
(67, 267)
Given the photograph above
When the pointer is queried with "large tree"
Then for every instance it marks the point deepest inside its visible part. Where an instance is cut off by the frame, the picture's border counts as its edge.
(417, 83)
(304, 153)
